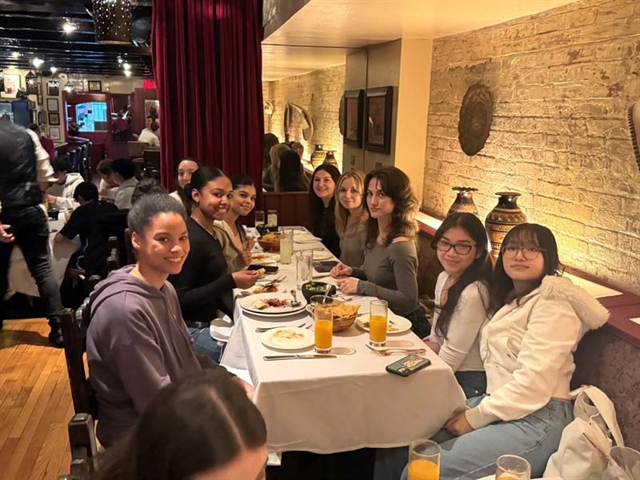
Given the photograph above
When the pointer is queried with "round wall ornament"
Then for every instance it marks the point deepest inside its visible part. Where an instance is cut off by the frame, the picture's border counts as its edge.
(476, 113)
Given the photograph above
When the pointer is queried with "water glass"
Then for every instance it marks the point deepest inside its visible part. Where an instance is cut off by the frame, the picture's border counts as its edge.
(304, 267)
(286, 246)
(512, 467)
(259, 222)
(378, 310)
(424, 460)
(272, 218)
(323, 327)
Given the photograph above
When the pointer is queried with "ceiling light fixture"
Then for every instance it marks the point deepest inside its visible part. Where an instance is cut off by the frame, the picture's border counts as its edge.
(32, 84)
(126, 66)
(120, 60)
(69, 87)
(69, 27)
(53, 69)
(15, 54)
(127, 73)
(112, 21)
(37, 62)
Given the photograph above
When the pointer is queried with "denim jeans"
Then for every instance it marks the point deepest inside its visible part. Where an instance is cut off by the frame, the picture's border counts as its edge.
(30, 228)
(205, 344)
(473, 383)
(534, 437)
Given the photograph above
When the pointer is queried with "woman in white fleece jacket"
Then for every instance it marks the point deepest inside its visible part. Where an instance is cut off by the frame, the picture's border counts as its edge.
(527, 349)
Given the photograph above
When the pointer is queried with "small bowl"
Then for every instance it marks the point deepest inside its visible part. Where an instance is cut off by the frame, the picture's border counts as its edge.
(313, 289)
(269, 245)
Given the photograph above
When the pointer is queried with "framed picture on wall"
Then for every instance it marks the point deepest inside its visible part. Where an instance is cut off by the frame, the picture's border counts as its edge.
(11, 85)
(53, 105)
(42, 118)
(377, 129)
(40, 96)
(53, 88)
(54, 133)
(352, 111)
(54, 119)
(95, 86)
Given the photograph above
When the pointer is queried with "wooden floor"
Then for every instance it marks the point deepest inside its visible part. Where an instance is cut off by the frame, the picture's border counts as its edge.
(35, 403)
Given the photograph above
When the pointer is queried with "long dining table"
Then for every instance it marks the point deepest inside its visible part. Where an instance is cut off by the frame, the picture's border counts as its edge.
(345, 403)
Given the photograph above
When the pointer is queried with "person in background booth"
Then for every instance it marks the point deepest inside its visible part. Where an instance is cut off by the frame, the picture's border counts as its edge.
(46, 143)
(185, 170)
(527, 349)
(204, 287)
(123, 176)
(322, 216)
(390, 266)
(267, 178)
(292, 177)
(275, 153)
(61, 192)
(108, 188)
(150, 135)
(351, 217)
(297, 147)
(223, 432)
(462, 299)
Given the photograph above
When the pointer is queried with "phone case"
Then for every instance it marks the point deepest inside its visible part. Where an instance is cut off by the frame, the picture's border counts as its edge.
(408, 365)
(267, 268)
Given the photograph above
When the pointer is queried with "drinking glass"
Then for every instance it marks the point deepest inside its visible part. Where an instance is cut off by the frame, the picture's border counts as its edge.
(259, 218)
(378, 323)
(272, 218)
(512, 467)
(424, 460)
(323, 327)
(304, 267)
(286, 246)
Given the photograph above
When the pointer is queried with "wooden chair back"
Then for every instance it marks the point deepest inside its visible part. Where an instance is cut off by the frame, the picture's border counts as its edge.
(152, 163)
(136, 149)
(292, 207)
(84, 449)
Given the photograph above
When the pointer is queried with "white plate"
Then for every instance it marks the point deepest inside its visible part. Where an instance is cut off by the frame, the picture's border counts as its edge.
(319, 255)
(264, 259)
(399, 324)
(220, 329)
(305, 238)
(249, 303)
(276, 338)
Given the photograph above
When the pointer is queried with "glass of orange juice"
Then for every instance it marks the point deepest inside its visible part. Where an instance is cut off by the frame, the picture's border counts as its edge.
(378, 323)
(323, 326)
(424, 460)
(512, 467)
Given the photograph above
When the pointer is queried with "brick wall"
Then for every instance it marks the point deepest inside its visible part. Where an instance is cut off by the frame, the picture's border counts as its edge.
(561, 82)
(319, 93)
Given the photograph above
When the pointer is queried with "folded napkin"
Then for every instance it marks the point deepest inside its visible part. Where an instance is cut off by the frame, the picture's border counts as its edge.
(304, 237)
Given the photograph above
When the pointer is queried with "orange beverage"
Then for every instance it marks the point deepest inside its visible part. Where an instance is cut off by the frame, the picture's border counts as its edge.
(421, 469)
(378, 328)
(324, 334)
(507, 477)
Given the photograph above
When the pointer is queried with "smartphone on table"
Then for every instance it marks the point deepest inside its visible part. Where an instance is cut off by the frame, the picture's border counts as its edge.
(408, 365)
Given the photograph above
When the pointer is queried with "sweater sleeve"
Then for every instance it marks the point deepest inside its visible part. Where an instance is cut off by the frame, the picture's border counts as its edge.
(552, 332)
(405, 267)
(467, 320)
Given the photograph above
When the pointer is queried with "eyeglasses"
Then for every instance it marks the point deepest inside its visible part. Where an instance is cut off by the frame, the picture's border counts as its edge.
(459, 248)
(529, 253)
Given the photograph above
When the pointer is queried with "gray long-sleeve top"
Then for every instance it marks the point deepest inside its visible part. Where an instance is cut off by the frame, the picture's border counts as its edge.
(391, 273)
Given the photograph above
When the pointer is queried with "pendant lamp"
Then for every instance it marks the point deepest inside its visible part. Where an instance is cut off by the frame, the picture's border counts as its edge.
(112, 21)
(32, 84)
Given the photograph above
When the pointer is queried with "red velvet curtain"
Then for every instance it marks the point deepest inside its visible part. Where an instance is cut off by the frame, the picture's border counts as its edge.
(208, 65)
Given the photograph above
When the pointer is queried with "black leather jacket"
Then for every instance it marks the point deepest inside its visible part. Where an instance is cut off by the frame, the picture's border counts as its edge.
(18, 169)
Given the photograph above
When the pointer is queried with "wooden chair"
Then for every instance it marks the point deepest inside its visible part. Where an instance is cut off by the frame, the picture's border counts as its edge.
(113, 260)
(152, 163)
(84, 449)
(292, 207)
(136, 149)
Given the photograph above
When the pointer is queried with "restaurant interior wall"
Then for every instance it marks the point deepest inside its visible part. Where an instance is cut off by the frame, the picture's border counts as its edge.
(319, 93)
(561, 81)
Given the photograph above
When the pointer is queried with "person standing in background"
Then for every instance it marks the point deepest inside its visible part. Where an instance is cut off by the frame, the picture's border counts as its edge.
(46, 143)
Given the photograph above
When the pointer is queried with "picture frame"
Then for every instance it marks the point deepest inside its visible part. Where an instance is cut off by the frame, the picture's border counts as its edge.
(95, 85)
(353, 103)
(42, 117)
(11, 85)
(53, 90)
(54, 118)
(378, 115)
(53, 105)
(54, 133)
(40, 94)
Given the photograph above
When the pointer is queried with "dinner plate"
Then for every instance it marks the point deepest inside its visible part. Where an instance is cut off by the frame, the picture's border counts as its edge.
(288, 338)
(395, 324)
(252, 302)
(305, 238)
(263, 259)
(319, 255)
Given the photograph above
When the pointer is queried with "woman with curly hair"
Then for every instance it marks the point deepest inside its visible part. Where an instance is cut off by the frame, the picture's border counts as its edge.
(390, 266)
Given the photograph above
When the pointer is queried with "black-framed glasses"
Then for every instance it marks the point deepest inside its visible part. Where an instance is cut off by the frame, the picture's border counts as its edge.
(459, 248)
(529, 253)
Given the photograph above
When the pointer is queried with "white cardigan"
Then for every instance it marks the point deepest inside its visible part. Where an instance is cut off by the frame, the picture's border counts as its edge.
(528, 348)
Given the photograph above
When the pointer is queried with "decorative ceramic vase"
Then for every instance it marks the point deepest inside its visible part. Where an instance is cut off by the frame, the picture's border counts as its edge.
(502, 218)
(464, 201)
(330, 159)
(318, 155)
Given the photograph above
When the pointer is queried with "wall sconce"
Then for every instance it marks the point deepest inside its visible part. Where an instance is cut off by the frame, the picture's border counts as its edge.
(112, 21)
(32, 84)
(68, 87)
(1, 80)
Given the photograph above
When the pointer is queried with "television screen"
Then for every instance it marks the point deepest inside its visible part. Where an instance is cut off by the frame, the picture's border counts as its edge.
(92, 116)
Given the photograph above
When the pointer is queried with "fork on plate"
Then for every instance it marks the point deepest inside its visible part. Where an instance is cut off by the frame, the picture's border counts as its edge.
(397, 351)
(265, 329)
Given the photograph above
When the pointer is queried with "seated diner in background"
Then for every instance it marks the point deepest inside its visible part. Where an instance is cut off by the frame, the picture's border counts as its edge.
(274, 168)
(462, 299)
(150, 135)
(108, 188)
(236, 245)
(390, 266)
(136, 340)
(351, 217)
(267, 179)
(322, 215)
(123, 176)
(61, 192)
(292, 177)
(203, 285)
(527, 348)
(185, 170)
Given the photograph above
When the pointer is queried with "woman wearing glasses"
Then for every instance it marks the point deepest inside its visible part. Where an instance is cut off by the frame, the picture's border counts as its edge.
(351, 217)
(527, 348)
(462, 299)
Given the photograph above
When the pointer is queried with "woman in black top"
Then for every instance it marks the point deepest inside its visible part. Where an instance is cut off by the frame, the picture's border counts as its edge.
(322, 217)
(203, 285)
(292, 178)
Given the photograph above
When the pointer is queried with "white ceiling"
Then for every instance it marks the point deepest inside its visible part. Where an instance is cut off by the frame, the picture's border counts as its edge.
(358, 23)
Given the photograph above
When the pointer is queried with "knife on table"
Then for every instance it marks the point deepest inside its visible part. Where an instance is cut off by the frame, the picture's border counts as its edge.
(297, 357)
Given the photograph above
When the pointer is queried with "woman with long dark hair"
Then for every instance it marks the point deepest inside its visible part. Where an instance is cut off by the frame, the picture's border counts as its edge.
(185, 170)
(201, 428)
(322, 217)
(203, 285)
(527, 349)
(390, 266)
(462, 299)
(351, 217)
(292, 177)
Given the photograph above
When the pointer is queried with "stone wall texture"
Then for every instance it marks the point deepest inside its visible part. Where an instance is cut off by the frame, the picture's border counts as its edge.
(562, 82)
(318, 92)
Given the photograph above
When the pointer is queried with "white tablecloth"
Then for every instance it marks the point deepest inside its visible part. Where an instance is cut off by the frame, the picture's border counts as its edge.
(20, 279)
(336, 405)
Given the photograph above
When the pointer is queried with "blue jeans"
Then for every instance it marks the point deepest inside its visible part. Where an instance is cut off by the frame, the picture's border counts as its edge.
(205, 344)
(473, 384)
(534, 437)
